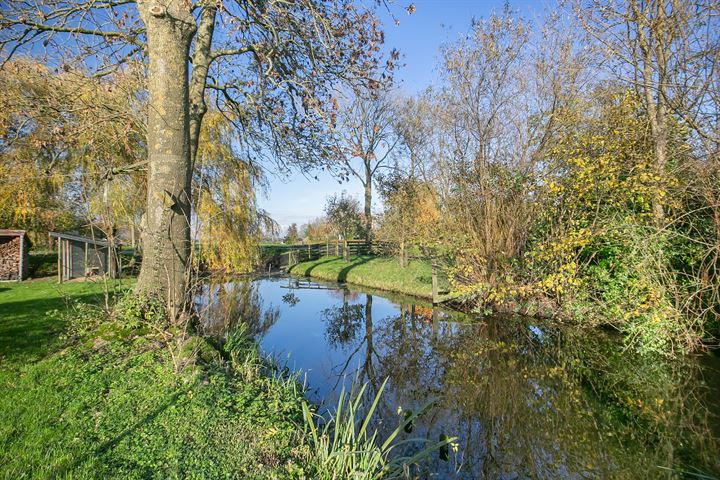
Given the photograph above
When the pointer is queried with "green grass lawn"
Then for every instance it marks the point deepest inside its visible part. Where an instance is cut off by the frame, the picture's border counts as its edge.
(107, 404)
(32, 315)
(375, 272)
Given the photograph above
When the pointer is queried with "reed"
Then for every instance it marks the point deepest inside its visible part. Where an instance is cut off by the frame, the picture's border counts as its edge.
(343, 445)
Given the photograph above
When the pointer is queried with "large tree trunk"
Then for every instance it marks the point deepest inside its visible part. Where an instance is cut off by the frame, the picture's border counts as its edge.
(166, 237)
(656, 115)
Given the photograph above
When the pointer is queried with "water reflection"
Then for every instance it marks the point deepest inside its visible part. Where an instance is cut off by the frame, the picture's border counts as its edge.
(525, 400)
(234, 303)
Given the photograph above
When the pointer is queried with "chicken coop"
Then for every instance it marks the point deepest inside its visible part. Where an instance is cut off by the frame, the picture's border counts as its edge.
(80, 256)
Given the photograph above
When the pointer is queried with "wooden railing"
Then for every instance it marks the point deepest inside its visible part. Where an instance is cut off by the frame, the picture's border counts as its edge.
(284, 256)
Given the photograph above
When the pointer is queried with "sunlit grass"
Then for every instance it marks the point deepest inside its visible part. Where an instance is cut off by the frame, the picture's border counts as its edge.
(32, 319)
(375, 272)
(108, 403)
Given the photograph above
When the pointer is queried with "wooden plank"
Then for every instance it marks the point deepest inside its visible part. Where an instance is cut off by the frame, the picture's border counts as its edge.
(68, 271)
(59, 262)
(70, 259)
(20, 260)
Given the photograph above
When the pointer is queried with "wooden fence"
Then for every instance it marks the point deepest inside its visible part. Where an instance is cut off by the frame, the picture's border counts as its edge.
(284, 256)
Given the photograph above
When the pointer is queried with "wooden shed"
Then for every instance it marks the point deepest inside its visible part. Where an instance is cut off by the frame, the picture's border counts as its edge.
(14, 254)
(80, 257)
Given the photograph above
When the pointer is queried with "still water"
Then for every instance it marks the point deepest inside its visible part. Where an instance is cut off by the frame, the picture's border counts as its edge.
(525, 400)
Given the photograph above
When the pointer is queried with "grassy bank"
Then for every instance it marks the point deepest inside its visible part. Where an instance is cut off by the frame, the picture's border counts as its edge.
(84, 397)
(375, 272)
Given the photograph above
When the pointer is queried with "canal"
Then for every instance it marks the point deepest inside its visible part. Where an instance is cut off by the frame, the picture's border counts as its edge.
(525, 399)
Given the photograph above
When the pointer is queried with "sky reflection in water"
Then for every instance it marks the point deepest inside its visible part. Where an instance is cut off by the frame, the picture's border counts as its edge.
(524, 400)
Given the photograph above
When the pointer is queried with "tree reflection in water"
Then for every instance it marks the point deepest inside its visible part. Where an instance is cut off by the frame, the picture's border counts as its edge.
(343, 321)
(530, 402)
(224, 306)
(525, 400)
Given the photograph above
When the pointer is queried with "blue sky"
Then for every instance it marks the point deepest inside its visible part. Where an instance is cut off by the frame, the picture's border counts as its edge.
(419, 36)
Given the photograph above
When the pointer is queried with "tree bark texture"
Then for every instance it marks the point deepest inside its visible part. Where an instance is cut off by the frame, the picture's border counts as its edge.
(201, 59)
(166, 235)
(655, 108)
(368, 203)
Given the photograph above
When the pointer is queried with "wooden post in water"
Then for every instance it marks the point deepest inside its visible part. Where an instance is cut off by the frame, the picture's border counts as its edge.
(435, 299)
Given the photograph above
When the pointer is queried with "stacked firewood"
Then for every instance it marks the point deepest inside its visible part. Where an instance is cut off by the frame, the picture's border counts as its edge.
(9, 258)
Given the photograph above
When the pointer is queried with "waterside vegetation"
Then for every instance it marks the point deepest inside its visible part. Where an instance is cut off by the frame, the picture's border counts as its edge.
(93, 394)
(568, 164)
(96, 398)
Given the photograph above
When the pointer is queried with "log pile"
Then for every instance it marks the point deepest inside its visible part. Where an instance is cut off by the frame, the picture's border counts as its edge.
(9, 258)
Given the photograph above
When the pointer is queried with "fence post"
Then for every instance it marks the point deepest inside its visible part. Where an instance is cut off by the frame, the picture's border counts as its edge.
(435, 299)
(59, 263)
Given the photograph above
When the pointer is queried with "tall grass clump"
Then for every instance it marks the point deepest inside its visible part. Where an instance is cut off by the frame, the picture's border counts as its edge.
(343, 445)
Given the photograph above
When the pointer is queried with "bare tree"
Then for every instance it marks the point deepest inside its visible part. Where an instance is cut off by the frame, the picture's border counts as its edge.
(367, 139)
(666, 51)
(486, 145)
(503, 88)
(413, 125)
